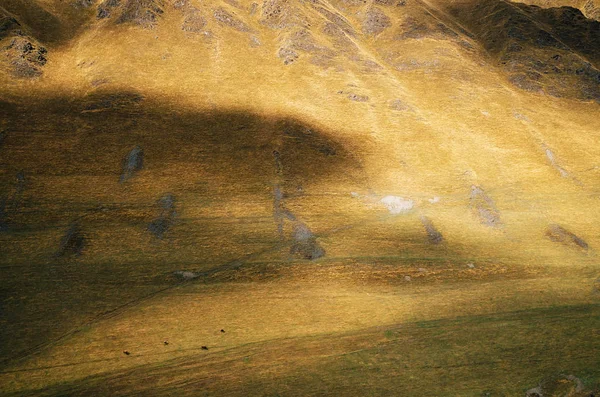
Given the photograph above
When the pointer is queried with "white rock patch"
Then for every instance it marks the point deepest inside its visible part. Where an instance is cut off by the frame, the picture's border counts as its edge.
(186, 275)
(552, 158)
(397, 205)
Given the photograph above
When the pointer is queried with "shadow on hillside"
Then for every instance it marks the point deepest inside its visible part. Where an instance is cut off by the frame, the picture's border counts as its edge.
(44, 25)
(545, 50)
(61, 167)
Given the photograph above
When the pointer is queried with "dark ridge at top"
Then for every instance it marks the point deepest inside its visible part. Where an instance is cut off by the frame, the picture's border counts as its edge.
(553, 51)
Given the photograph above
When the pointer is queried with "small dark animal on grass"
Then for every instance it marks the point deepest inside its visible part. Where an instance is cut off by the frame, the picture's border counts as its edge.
(126, 352)
(222, 331)
(166, 342)
(204, 348)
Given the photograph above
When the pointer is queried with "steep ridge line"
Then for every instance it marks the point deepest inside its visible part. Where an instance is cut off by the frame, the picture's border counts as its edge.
(538, 25)
(445, 17)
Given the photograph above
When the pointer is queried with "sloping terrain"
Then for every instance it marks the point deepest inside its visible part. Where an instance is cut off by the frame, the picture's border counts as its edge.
(23, 55)
(543, 50)
(590, 8)
(391, 197)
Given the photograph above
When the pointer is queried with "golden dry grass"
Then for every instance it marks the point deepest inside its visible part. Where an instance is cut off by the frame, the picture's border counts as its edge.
(384, 312)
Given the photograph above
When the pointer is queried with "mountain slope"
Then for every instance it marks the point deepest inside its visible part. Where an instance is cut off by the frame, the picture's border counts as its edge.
(295, 172)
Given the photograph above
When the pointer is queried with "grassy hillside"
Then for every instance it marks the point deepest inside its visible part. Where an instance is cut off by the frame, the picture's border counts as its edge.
(368, 198)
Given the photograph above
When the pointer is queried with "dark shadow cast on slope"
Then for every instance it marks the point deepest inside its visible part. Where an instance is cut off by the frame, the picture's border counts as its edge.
(73, 152)
(133, 234)
(50, 28)
(551, 51)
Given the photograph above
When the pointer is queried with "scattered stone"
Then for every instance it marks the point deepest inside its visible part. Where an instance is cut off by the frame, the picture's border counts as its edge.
(358, 98)
(278, 210)
(305, 244)
(524, 82)
(407, 278)
(370, 66)
(302, 40)
(434, 200)
(102, 102)
(180, 4)
(484, 207)
(194, 22)
(253, 8)
(560, 386)
(470, 266)
(337, 20)
(143, 13)
(398, 3)
(279, 14)
(561, 235)
(227, 19)
(397, 205)
(422, 270)
(399, 105)
(417, 29)
(73, 241)
(26, 57)
(554, 163)
(354, 2)
(234, 3)
(106, 7)
(133, 163)
(99, 82)
(550, 155)
(376, 21)
(254, 42)
(288, 55)
(519, 116)
(434, 236)
(83, 3)
(159, 226)
(535, 392)
(167, 202)
(340, 37)
(186, 275)
(415, 64)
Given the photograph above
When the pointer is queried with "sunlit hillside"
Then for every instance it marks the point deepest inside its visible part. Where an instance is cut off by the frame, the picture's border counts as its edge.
(299, 197)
